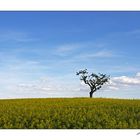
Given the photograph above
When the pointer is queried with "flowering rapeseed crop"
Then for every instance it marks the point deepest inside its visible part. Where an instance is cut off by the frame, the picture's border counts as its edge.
(69, 113)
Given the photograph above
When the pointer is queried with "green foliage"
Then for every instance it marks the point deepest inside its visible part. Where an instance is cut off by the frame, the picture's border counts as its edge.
(64, 113)
(94, 81)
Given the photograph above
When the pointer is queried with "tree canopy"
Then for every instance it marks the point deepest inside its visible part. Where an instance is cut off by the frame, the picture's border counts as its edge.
(94, 81)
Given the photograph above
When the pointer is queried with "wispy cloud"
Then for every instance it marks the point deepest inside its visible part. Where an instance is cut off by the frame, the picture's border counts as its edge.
(66, 48)
(18, 86)
(138, 74)
(123, 68)
(98, 54)
(21, 71)
(17, 36)
(134, 33)
(77, 47)
(56, 85)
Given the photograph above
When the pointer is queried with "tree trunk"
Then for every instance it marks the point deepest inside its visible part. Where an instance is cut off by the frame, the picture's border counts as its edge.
(91, 93)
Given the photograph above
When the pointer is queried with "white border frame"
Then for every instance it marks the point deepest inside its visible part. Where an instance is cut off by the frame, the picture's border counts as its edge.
(69, 5)
(70, 134)
(76, 5)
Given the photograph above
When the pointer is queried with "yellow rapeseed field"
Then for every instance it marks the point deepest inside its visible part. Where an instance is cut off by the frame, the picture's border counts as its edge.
(69, 113)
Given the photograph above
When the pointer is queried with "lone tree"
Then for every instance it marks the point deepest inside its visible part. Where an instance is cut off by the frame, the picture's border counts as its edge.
(94, 81)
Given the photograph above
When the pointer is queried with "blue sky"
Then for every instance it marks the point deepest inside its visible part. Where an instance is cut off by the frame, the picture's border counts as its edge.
(40, 53)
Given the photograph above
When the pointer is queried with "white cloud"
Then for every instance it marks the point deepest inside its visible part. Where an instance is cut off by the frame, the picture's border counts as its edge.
(134, 33)
(113, 88)
(98, 54)
(123, 69)
(49, 85)
(127, 80)
(73, 48)
(58, 86)
(138, 74)
(66, 48)
(124, 82)
(17, 36)
(102, 54)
